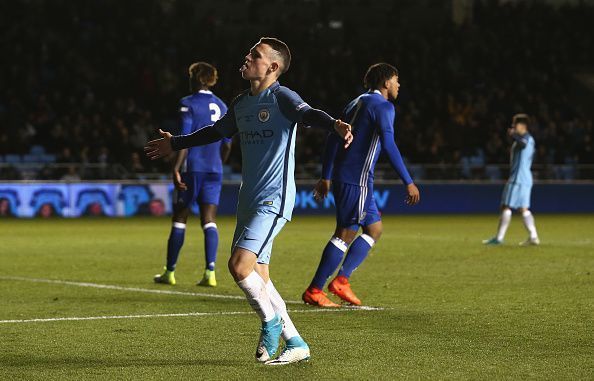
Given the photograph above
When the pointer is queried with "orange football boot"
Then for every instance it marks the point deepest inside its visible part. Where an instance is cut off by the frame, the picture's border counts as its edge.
(318, 298)
(341, 287)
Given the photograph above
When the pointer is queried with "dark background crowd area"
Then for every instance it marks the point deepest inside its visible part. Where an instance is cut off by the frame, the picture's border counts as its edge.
(91, 81)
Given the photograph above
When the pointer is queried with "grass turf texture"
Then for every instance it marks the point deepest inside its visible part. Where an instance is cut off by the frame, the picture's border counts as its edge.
(455, 308)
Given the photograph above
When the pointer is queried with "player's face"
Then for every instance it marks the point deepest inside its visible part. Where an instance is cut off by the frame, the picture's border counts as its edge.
(520, 128)
(393, 86)
(257, 63)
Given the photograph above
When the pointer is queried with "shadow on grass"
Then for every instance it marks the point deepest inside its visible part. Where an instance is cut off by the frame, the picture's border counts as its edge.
(79, 362)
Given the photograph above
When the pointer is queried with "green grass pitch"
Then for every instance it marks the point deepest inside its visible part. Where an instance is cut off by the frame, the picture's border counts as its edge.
(453, 309)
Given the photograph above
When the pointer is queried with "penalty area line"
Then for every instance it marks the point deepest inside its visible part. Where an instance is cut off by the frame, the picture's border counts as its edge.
(188, 314)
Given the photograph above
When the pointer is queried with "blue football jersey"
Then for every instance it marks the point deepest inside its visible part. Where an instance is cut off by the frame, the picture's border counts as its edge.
(372, 119)
(197, 111)
(521, 160)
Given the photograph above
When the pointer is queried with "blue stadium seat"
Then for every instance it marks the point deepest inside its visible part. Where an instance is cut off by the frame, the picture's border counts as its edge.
(30, 158)
(37, 150)
(47, 158)
(493, 172)
(12, 158)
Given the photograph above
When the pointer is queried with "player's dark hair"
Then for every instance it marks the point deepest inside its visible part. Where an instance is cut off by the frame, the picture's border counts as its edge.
(378, 74)
(521, 118)
(281, 48)
(202, 75)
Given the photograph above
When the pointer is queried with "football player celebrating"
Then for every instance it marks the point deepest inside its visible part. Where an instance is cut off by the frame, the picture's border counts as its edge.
(265, 117)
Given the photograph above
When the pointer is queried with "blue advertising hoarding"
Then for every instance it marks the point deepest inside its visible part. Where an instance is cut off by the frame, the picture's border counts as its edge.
(21, 199)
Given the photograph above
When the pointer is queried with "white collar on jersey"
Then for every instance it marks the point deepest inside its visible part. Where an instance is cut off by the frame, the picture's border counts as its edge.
(205, 91)
(377, 91)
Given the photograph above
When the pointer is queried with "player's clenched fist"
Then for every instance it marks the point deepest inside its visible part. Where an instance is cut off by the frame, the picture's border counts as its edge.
(159, 147)
(344, 130)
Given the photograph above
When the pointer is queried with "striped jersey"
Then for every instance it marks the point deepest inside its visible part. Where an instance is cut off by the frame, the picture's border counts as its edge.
(372, 119)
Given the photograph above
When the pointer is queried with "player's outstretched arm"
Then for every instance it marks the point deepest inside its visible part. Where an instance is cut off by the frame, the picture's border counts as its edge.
(345, 131)
(224, 127)
(159, 147)
(296, 110)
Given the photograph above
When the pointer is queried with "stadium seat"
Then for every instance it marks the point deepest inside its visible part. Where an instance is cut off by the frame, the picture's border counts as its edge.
(29, 158)
(493, 172)
(37, 150)
(12, 158)
(47, 158)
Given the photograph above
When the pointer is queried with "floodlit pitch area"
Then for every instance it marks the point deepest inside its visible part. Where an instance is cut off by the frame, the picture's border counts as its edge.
(78, 302)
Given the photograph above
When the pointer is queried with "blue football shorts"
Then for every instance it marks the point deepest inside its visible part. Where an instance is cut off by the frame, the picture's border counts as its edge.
(203, 188)
(355, 205)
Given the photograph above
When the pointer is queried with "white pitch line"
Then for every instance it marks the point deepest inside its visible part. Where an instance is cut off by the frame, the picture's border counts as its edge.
(47, 320)
(134, 289)
(153, 291)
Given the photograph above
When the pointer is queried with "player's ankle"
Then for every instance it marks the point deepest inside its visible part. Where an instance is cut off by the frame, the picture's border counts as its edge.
(314, 289)
(342, 279)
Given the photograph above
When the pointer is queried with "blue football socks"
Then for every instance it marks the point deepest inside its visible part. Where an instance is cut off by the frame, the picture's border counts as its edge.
(356, 255)
(211, 244)
(174, 244)
(331, 258)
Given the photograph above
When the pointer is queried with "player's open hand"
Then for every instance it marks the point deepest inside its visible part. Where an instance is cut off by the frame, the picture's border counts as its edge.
(159, 147)
(178, 182)
(413, 196)
(344, 130)
(321, 189)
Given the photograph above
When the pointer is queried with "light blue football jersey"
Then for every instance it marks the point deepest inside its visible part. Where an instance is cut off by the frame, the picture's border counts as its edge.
(521, 160)
(267, 126)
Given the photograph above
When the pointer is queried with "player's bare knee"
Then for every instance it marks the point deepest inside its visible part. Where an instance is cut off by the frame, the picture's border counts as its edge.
(374, 230)
(239, 270)
(235, 269)
(208, 213)
(345, 235)
(180, 215)
(375, 234)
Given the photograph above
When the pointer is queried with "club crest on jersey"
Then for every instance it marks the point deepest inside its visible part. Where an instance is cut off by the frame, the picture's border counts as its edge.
(263, 115)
